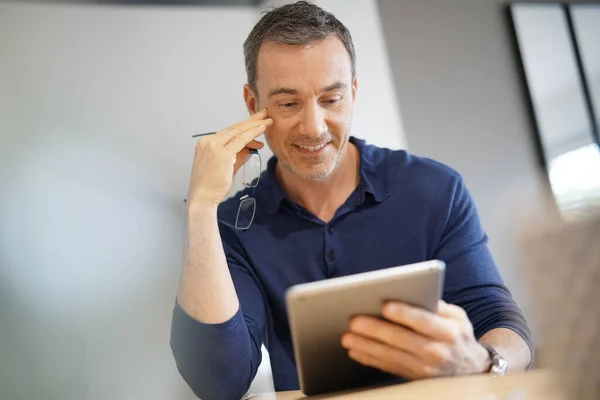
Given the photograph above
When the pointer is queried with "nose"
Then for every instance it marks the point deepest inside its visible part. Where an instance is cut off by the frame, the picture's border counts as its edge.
(313, 121)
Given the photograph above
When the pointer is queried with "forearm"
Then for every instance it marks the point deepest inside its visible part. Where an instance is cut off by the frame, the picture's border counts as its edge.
(215, 351)
(511, 346)
(206, 291)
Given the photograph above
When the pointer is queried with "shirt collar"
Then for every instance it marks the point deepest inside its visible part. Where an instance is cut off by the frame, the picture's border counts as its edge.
(373, 172)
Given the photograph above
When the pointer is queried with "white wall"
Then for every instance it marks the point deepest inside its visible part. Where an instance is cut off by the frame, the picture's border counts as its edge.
(97, 108)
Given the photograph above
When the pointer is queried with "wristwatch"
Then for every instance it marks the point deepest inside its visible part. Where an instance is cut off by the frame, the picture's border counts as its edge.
(499, 364)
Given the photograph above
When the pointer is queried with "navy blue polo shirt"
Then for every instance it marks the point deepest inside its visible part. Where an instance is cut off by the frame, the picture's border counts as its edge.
(406, 209)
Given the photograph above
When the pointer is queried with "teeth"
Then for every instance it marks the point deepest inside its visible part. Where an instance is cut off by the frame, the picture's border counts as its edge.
(313, 148)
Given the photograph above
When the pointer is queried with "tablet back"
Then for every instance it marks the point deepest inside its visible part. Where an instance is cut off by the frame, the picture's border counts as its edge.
(319, 313)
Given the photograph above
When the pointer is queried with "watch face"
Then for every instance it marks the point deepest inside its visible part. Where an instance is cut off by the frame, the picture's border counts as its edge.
(499, 366)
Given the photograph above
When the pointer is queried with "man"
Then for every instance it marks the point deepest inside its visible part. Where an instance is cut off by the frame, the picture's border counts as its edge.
(327, 205)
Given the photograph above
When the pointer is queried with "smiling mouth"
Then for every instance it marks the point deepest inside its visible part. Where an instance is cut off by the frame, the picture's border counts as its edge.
(311, 148)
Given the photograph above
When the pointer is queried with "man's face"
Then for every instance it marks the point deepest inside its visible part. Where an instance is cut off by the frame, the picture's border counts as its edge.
(309, 92)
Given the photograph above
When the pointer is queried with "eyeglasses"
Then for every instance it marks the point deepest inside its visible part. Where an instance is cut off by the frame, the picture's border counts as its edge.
(250, 177)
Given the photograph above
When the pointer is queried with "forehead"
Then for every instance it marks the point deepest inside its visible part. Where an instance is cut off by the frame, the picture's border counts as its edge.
(302, 67)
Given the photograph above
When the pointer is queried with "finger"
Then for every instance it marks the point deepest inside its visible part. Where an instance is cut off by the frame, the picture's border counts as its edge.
(373, 362)
(242, 155)
(389, 333)
(422, 321)
(451, 311)
(226, 135)
(254, 119)
(240, 141)
(241, 159)
(387, 358)
(399, 337)
(255, 145)
(260, 114)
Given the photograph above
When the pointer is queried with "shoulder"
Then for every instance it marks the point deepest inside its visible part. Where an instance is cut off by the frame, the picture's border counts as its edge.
(420, 170)
(410, 173)
(430, 189)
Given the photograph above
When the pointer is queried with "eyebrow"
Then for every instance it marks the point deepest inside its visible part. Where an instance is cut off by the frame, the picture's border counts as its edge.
(286, 90)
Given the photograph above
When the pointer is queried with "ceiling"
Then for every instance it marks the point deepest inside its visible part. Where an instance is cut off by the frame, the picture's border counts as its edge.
(180, 2)
(163, 2)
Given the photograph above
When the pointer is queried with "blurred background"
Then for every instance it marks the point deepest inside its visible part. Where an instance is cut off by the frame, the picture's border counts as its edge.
(98, 104)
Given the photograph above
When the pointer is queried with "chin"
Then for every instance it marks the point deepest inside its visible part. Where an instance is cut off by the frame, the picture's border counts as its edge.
(315, 175)
(313, 171)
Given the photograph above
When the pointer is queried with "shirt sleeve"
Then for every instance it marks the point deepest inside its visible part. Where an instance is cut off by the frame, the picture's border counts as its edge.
(472, 280)
(219, 361)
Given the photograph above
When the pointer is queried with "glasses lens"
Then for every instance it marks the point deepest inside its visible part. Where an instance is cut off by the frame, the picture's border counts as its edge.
(252, 170)
(245, 213)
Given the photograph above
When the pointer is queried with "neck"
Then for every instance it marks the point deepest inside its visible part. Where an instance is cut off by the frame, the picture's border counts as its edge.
(324, 197)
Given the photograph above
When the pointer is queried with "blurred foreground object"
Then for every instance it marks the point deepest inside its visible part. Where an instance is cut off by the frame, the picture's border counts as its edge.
(534, 385)
(563, 268)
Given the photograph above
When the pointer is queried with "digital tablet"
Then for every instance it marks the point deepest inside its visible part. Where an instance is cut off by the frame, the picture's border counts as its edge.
(320, 312)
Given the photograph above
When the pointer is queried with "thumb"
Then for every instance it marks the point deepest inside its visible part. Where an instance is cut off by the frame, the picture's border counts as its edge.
(241, 159)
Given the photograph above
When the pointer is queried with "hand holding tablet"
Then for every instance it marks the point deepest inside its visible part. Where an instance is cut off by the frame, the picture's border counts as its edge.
(320, 314)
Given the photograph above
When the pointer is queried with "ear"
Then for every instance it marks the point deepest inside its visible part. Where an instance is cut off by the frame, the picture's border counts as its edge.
(354, 87)
(354, 90)
(251, 99)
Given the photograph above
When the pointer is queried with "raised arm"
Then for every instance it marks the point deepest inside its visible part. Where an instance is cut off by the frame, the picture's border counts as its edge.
(215, 344)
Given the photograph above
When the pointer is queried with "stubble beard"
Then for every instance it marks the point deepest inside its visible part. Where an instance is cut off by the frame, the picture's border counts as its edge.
(320, 171)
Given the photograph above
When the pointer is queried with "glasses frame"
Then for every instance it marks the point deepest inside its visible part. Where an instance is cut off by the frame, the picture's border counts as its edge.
(247, 197)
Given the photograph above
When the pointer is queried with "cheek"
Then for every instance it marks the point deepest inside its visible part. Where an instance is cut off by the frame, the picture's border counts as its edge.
(275, 136)
(338, 126)
(279, 130)
(339, 120)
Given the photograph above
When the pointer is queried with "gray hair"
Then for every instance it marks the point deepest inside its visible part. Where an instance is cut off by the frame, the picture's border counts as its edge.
(300, 23)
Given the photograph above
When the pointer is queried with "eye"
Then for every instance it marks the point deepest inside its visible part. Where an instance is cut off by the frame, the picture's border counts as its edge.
(287, 105)
(333, 101)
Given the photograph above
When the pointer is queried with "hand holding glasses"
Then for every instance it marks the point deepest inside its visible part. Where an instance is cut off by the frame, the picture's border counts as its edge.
(250, 176)
(217, 159)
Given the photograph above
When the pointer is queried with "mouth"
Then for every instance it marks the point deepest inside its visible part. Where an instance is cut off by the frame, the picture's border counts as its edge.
(312, 150)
